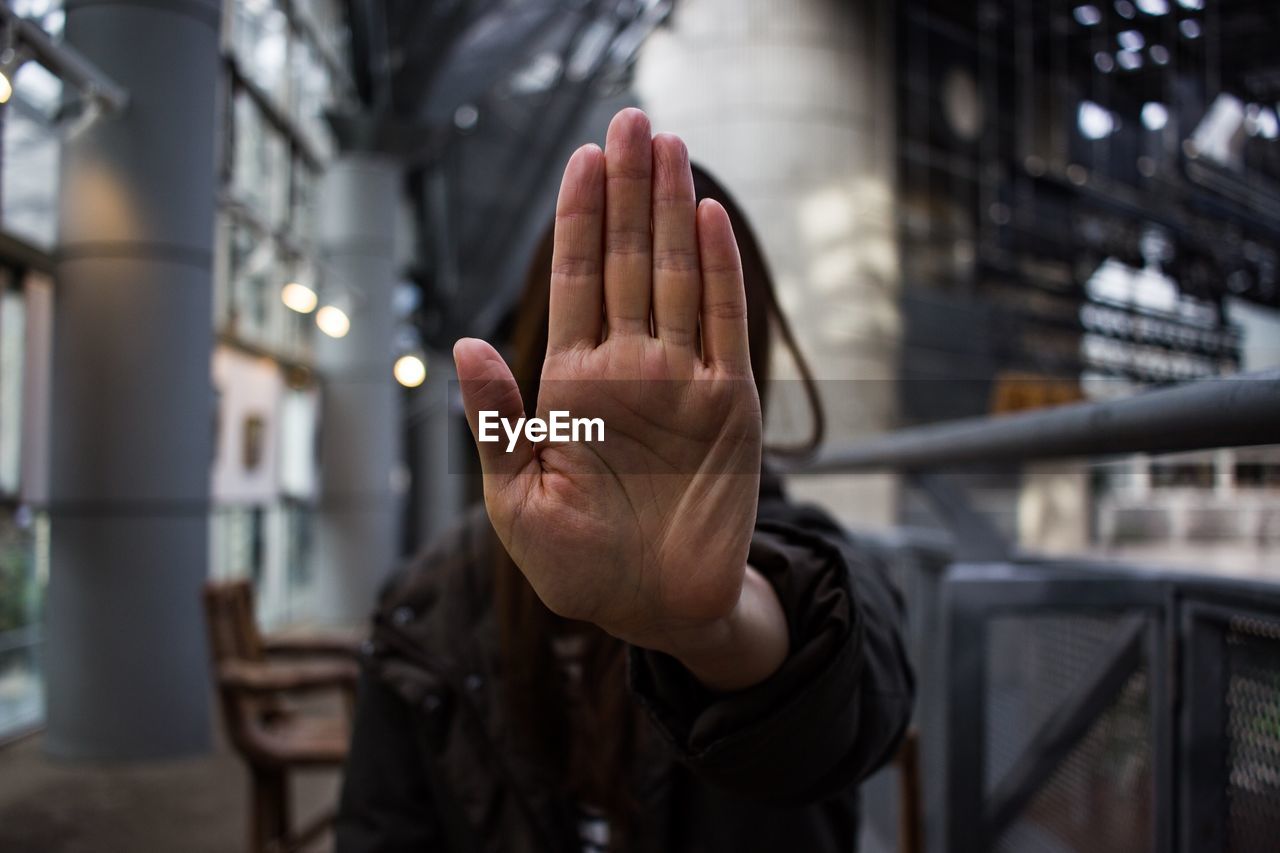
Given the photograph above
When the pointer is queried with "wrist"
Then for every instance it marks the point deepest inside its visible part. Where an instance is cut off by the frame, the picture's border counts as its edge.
(742, 648)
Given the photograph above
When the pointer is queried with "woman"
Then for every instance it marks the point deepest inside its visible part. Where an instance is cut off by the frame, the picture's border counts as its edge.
(636, 644)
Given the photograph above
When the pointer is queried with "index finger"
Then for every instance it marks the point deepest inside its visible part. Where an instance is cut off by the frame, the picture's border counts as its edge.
(577, 253)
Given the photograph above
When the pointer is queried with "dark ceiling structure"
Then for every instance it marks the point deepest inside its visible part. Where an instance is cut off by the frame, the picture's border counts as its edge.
(1038, 140)
(485, 99)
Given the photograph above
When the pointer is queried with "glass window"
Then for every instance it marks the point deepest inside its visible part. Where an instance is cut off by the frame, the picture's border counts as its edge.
(47, 13)
(329, 23)
(12, 345)
(299, 416)
(266, 237)
(292, 331)
(272, 545)
(29, 182)
(37, 377)
(236, 542)
(39, 89)
(223, 296)
(302, 221)
(21, 595)
(260, 170)
(248, 300)
(260, 42)
(254, 280)
(299, 540)
(312, 87)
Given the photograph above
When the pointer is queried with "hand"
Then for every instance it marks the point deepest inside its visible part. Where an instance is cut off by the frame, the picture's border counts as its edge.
(646, 533)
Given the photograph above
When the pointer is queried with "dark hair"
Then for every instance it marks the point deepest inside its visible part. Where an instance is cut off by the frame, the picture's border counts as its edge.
(591, 751)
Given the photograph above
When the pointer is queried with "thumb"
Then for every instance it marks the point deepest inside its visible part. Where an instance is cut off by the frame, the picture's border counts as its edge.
(488, 386)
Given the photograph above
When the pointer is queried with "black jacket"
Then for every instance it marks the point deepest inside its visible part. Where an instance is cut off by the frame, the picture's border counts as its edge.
(771, 768)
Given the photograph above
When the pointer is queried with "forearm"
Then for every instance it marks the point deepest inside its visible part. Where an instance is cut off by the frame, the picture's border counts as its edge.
(743, 648)
(830, 714)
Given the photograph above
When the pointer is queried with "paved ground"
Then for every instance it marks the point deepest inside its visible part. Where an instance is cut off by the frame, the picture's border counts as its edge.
(191, 805)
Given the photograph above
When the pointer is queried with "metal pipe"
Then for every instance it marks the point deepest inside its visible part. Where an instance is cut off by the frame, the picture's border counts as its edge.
(65, 63)
(1236, 411)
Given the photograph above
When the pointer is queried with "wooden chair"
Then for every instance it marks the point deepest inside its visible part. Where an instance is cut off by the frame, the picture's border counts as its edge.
(256, 678)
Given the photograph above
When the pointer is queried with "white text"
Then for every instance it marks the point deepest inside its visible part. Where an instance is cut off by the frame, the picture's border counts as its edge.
(559, 426)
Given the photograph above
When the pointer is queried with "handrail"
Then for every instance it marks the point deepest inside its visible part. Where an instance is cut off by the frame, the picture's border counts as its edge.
(1234, 411)
(64, 62)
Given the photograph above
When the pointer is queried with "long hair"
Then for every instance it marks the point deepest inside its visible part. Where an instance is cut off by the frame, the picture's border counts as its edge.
(592, 755)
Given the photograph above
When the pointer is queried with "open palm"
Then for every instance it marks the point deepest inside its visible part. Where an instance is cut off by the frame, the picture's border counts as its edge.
(646, 532)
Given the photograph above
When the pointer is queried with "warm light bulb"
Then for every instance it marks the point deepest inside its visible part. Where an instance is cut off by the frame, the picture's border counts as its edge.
(333, 321)
(410, 371)
(299, 297)
(6, 88)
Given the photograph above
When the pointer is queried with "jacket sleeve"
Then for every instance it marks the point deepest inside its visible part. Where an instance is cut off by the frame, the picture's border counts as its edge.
(386, 804)
(836, 709)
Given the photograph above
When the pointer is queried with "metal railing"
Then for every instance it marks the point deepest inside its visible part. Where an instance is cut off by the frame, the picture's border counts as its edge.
(21, 702)
(1075, 704)
(1236, 411)
(1107, 708)
(30, 42)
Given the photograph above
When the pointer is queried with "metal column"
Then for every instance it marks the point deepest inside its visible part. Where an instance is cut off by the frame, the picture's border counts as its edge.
(444, 446)
(359, 441)
(132, 403)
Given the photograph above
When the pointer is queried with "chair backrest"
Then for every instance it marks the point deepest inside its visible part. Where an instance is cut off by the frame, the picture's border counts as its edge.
(234, 636)
(233, 629)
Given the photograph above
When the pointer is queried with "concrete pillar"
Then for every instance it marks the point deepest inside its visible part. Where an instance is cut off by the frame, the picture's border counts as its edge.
(791, 106)
(440, 481)
(359, 420)
(127, 672)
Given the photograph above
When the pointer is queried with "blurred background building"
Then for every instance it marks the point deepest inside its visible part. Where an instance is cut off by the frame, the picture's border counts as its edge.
(238, 238)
